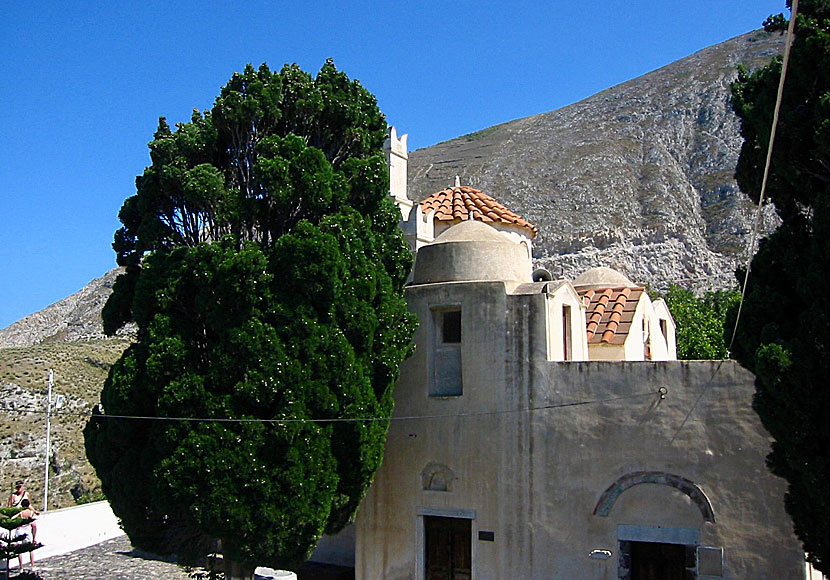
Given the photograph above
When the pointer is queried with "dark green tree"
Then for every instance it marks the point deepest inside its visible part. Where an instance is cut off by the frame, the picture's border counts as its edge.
(784, 330)
(700, 321)
(265, 274)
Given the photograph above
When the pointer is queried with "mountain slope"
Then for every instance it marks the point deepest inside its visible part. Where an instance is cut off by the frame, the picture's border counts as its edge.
(76, 317)
(80, 370)
(638, 177)
(67, 337)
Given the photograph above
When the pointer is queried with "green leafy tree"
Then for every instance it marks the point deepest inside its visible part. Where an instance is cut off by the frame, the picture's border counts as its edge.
(265, 274)
(784, 330)
(700, 321)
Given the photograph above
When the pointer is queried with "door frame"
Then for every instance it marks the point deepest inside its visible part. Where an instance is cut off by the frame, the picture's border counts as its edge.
(688, 537)
(420, 536)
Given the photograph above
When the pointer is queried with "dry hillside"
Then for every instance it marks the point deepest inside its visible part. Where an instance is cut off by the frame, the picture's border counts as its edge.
(80, 368)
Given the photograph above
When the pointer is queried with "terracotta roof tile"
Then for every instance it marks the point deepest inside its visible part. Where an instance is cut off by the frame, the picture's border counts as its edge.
(457, 203)
(609, 313)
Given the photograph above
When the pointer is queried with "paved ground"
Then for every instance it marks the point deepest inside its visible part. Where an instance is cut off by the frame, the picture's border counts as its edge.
(117, 560)
(111, 559)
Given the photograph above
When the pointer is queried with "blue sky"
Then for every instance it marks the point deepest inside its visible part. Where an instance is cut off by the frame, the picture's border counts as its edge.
(83, 85)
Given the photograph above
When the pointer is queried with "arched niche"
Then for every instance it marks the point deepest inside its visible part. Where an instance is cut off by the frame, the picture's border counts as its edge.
(437, 477)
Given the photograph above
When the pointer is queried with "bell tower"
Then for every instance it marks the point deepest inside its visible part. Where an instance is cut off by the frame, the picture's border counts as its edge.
(397, 157)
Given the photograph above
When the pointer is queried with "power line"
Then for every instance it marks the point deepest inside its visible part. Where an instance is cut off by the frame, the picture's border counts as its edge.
(759, 212)
(697, 400)
(767, 163)
(661, 392)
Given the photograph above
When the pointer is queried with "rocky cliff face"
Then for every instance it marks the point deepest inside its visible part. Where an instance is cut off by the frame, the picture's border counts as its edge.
(76, 317)
(638, 177)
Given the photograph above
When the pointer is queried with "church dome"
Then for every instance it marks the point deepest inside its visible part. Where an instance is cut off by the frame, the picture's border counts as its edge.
(453, 205)
(602, 278)
(472, 250)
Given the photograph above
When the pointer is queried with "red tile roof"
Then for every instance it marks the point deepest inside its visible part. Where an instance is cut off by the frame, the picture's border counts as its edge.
(454, 204)
(609, 313)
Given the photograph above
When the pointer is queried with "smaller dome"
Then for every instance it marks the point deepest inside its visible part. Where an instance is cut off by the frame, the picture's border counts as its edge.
(602, 278)
(472, 251)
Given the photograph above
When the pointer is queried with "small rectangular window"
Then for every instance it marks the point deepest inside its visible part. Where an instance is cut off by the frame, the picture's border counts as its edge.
(445, 362)
(567, 347)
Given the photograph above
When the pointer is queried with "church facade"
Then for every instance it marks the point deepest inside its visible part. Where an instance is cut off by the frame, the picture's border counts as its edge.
(544, 428)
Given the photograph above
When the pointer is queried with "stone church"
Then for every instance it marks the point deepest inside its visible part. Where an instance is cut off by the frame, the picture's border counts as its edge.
(544, 429)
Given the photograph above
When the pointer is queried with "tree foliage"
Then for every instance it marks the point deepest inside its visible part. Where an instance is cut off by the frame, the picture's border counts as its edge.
(784, 331)
(265, 273)
(700, 321)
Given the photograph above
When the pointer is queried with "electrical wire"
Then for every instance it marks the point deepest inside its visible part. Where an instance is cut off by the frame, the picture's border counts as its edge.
(660, 393)
(697, 401)
(759, 216)
(759, 212)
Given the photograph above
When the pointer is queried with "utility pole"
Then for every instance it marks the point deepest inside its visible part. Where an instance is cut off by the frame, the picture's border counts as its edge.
(58, 403)
(46, 460)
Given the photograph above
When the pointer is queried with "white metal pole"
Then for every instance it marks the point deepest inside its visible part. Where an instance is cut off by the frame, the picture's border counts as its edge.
(46, 461)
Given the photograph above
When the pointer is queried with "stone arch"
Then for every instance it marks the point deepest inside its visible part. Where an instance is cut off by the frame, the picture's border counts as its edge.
(683, 485)
(437, 477)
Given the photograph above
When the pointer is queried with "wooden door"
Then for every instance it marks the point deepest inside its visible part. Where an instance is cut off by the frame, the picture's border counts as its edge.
(448, 548)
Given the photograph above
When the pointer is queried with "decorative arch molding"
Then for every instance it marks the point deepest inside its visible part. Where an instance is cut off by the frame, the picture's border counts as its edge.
(683, 485)
(437, 477)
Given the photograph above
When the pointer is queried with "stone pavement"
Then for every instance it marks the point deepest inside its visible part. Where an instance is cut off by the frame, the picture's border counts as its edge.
(116, 559)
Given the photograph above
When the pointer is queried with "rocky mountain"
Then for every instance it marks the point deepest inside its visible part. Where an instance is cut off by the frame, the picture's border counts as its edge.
(638, 177)
(77, 317)
(68, 338)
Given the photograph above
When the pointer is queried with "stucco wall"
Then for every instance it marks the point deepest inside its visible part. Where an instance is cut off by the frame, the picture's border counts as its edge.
(581, 451)
(531, 446)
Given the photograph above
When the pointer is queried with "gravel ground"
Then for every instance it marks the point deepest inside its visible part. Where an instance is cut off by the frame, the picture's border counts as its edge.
(116, 559)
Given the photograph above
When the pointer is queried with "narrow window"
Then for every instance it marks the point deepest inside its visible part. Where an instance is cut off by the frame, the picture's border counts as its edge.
(446, 356)
(451, 327)
(567, 346)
